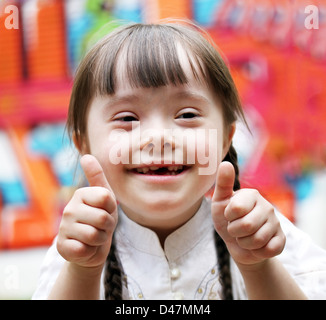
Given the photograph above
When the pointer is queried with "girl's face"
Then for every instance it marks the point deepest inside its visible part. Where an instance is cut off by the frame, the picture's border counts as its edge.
(159, 148)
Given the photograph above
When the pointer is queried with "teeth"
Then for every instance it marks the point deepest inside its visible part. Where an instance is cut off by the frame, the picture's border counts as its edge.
(172, 169)
(143, 170)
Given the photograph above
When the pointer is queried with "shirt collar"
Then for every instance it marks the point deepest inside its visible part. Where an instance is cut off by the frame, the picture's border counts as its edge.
(176, 244)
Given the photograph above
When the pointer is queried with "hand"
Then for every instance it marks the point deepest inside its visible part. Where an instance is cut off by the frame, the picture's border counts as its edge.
(89, 219)
(245, 220)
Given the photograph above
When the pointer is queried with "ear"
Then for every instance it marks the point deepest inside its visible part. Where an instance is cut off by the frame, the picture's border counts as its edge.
(228, 138)
(80, 144)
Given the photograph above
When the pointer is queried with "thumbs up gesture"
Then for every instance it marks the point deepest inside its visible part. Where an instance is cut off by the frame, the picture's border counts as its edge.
(89, 219)
(245, 221)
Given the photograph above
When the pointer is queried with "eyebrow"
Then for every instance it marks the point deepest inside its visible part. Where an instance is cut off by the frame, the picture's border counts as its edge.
(115, 100)
(185, 94)
(134, 98)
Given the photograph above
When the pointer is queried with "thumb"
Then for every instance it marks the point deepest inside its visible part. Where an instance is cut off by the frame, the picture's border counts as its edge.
(221, 196)
(94, 172)
(224, 182)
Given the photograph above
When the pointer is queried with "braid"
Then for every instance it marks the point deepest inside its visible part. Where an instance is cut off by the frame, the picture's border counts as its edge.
(223, 255)
(113, 283)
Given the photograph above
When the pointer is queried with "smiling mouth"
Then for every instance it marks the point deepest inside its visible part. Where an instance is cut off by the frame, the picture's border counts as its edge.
(161, 171)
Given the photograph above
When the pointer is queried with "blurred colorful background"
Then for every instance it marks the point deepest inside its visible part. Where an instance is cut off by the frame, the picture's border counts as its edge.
(276, 50)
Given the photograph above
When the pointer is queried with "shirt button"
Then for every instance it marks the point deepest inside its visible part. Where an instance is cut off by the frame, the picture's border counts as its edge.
(175, 273)
(178, 295)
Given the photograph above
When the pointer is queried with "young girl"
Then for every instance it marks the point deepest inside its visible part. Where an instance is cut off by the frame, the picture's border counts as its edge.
(153, 113)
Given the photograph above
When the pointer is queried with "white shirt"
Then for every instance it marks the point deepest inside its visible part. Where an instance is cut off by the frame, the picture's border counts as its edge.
(187, 267)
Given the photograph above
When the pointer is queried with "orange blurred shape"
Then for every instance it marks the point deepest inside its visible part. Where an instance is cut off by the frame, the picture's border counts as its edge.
(10, 48)
(161, 9)
(34, 224)
(46, 46)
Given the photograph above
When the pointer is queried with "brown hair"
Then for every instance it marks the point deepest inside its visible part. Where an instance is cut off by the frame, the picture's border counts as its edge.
(151, 60)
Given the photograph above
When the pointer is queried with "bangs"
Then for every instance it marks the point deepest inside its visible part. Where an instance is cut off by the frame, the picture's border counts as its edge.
(148, 56)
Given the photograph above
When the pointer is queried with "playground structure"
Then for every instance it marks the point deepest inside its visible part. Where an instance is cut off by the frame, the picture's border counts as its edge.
(277, 62)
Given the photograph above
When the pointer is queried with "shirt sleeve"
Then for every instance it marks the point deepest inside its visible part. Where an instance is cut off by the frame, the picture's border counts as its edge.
(49, 272)
(304, 260)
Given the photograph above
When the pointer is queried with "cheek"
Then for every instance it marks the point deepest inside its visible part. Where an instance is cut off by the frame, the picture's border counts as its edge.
(209, 149)
(119, 147)
(110, 148)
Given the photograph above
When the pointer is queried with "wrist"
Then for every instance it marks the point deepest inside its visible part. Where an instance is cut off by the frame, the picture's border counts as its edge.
(83, 273)
(259, 267)
(77, 282)
(269, 280)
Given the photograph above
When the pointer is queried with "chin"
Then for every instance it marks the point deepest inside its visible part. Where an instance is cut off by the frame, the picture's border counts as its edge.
(163, 206)
(170, 209)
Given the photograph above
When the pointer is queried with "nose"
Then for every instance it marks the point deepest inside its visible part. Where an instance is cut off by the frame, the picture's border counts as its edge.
(158, 141)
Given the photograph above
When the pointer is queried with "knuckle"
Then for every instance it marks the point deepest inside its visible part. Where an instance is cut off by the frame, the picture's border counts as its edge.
(233, 211)
(68, 208)
(273, 248)
(67, 214)
(279, 244)
(247, 225)
(235, 207)
(233, 229)
(270, 209)
(60, 246)
(92, 235)
(63, 227)
(79, 193)
(104, 195)
(78, 250)
(261, 239)
(254, 192)
(103, 219)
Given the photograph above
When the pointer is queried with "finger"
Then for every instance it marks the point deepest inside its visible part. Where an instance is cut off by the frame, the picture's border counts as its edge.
(248, 224)
(94, 216)
(259, 239)
(99, 218)
(224, 182)
(94, 172)
(87, 234)
(241, 204)
(97, 197)
(273, 248)
(74, 250)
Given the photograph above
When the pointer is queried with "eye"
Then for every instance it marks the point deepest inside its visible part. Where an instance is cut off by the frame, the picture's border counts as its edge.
(187, 115)
(125, 117)
(128, 119)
